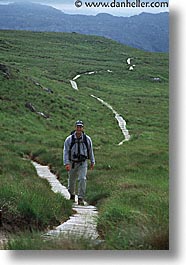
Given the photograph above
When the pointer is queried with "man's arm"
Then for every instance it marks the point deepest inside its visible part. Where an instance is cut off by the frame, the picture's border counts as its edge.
(66, 160)
(91, 154)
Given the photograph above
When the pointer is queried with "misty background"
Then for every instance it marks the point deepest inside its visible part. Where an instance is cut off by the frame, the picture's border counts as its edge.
(68, 6)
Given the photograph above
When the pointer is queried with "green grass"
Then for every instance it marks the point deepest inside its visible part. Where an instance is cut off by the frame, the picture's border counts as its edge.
(130, 183)
(36, 241)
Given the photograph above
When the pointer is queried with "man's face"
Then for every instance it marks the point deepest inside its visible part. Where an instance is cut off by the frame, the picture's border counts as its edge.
(79, 129)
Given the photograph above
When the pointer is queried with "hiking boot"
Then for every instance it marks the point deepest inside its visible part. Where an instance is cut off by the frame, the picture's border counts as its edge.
(72, 197)
(81, 202)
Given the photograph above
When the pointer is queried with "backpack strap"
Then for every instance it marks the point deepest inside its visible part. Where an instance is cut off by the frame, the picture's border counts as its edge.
(73, 142)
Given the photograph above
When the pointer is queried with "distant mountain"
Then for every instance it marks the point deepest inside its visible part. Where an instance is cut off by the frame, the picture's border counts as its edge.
(146, 31)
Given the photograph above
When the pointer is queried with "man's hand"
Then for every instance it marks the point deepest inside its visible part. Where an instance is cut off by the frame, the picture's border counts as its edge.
(92, 166)
(67, 166)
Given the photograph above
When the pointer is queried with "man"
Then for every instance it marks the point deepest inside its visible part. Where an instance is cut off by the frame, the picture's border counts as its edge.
(77, 150)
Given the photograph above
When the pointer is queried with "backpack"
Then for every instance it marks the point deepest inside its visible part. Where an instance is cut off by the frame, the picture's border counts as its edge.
(73, 142)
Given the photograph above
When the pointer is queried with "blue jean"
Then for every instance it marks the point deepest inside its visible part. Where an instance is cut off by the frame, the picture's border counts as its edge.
(77, 171)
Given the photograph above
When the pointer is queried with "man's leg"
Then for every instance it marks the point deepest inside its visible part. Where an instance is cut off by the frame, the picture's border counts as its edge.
(82, 173)
(72, 174)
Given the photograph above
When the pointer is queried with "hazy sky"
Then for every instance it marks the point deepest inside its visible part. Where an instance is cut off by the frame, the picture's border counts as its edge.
(68, 6)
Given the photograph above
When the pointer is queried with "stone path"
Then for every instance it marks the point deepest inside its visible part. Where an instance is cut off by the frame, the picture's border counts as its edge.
(83, 223)
(73, 82)
(131, 66)
(119, 118)
(80, 225)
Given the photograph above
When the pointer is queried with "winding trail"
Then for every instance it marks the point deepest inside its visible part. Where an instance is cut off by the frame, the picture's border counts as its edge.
(73, 82)
(119, 118)
(83, 223)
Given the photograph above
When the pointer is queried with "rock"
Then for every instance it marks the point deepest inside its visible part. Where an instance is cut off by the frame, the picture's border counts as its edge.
(46, 116)
(33, 109)
(49, 90)
(30, 107)
(157, 79)
(5, 70)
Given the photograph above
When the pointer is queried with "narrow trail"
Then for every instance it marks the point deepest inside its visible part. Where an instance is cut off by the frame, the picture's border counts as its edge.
(74, 83)
(119, 118)
(83, 223)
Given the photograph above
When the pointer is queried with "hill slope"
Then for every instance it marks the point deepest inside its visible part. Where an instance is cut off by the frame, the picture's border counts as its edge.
(153, 28)
(130, 182)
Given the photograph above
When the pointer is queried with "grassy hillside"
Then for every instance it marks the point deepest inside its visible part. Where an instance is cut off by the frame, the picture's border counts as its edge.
(130, 182)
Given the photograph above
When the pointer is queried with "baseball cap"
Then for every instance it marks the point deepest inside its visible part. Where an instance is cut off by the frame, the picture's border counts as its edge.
(79, 123)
